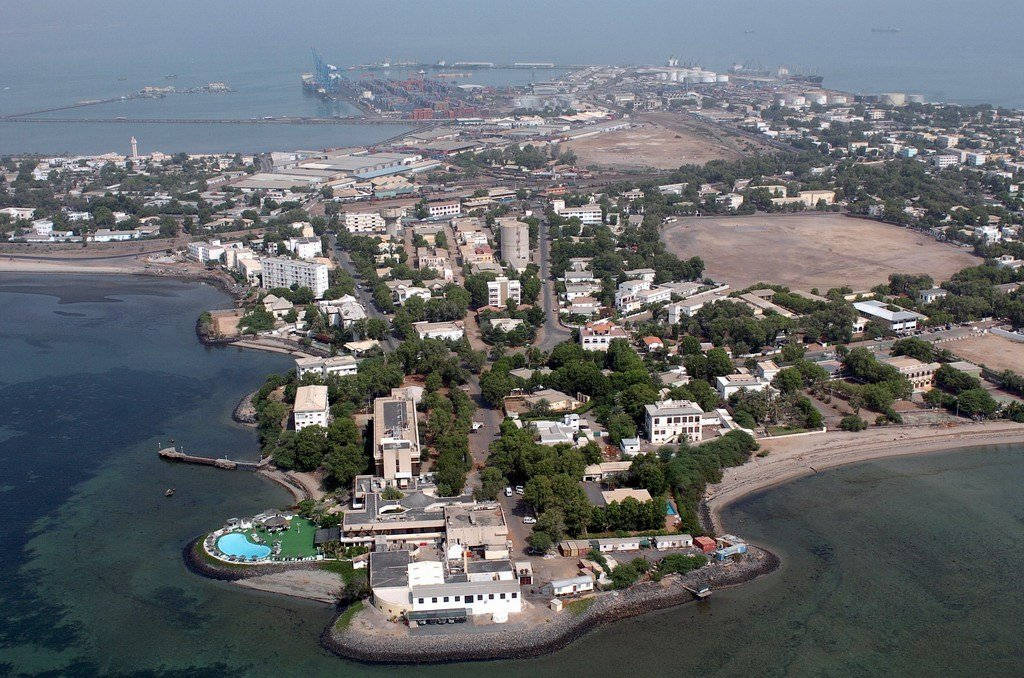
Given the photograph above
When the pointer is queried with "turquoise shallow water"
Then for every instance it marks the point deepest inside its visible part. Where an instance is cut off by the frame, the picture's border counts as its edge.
(897, 567)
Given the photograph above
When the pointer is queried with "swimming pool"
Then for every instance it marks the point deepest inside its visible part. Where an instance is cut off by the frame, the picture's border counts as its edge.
(235, 544)
(670, 510)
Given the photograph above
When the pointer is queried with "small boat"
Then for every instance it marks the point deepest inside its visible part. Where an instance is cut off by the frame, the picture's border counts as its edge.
(169, 492)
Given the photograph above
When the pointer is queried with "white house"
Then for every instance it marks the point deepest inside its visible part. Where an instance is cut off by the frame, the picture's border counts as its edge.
(735, 382)
(569, 587)
(669, 420)
(597, 336)
(311, 406)
(444, 330)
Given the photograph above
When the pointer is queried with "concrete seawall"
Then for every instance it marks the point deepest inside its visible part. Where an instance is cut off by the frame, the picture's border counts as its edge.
(503, 643)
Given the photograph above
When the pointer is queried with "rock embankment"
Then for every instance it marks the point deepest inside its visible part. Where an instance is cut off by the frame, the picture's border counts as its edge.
(515, 642)
(245, 411)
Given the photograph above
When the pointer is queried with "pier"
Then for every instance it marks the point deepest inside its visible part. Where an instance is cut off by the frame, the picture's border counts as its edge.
(174, 454)
(699, 593)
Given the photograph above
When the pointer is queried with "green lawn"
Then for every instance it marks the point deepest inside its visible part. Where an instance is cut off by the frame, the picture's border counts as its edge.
(296, 541)
(345, 618)
(579, 606)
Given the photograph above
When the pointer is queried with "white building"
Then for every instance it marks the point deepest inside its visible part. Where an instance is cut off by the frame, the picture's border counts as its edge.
(404, 293)
(898, 320)
(444, 330)
(501, 289)
(284, 272)
(589, 215)
(597, 336)
(304, 248)
(945, 160)
(311, 406)
(204, 252)
(569, 587)
(448, 208)
(364, 222)
(736, 382)
(669, 420)
(341, 365)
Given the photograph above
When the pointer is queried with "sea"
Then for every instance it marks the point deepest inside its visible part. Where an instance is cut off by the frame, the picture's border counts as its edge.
(57, 53)
(905, 566)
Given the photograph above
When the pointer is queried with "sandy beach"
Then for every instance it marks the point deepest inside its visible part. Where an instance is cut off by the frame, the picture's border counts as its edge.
(793, 457)
(15, 265)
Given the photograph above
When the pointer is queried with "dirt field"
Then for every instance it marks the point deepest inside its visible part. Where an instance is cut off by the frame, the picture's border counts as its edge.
(989, 350)
(649, 146)
(225, 323)
(812, 250)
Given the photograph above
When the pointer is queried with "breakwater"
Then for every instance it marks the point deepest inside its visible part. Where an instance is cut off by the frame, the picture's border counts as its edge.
(517, 642)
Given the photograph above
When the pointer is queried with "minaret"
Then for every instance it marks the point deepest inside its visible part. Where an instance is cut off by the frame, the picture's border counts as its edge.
(135, 149)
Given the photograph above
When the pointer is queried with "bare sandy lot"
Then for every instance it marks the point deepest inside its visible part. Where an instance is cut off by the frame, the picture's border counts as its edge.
(810, 250)
(225, 323)
(649, 146)
(990, 350)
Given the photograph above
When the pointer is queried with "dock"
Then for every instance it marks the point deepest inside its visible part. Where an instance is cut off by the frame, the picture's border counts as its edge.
(700, 593)
(174, 454)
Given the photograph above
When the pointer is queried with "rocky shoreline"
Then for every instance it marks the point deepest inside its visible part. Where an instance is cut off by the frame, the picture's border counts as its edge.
(503, 643)
(245, 411)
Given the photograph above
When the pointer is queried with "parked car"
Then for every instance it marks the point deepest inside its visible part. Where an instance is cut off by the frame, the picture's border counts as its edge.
(519, 489)
(477, 425)
(529, 520)
(508, 491)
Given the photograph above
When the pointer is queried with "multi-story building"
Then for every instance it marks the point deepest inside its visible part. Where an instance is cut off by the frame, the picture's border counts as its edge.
(396, 439)
(501, 289)
(341, 365)
(364, 222)
(589, 215)
(304, 248)
(921, 375)
(284, 272)
(671, 420)
(311, 406)
(446, 208)
(204, 252)
(515, 242)
(597, 336)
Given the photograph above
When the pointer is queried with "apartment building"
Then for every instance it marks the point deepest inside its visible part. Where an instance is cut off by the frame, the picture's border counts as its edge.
(284, 272)
(364, 222)
(589, 215)
(396, 439)
(501, 289)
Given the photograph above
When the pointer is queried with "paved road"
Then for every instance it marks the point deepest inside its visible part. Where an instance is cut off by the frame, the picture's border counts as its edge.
(363, 296)
(552, 332)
